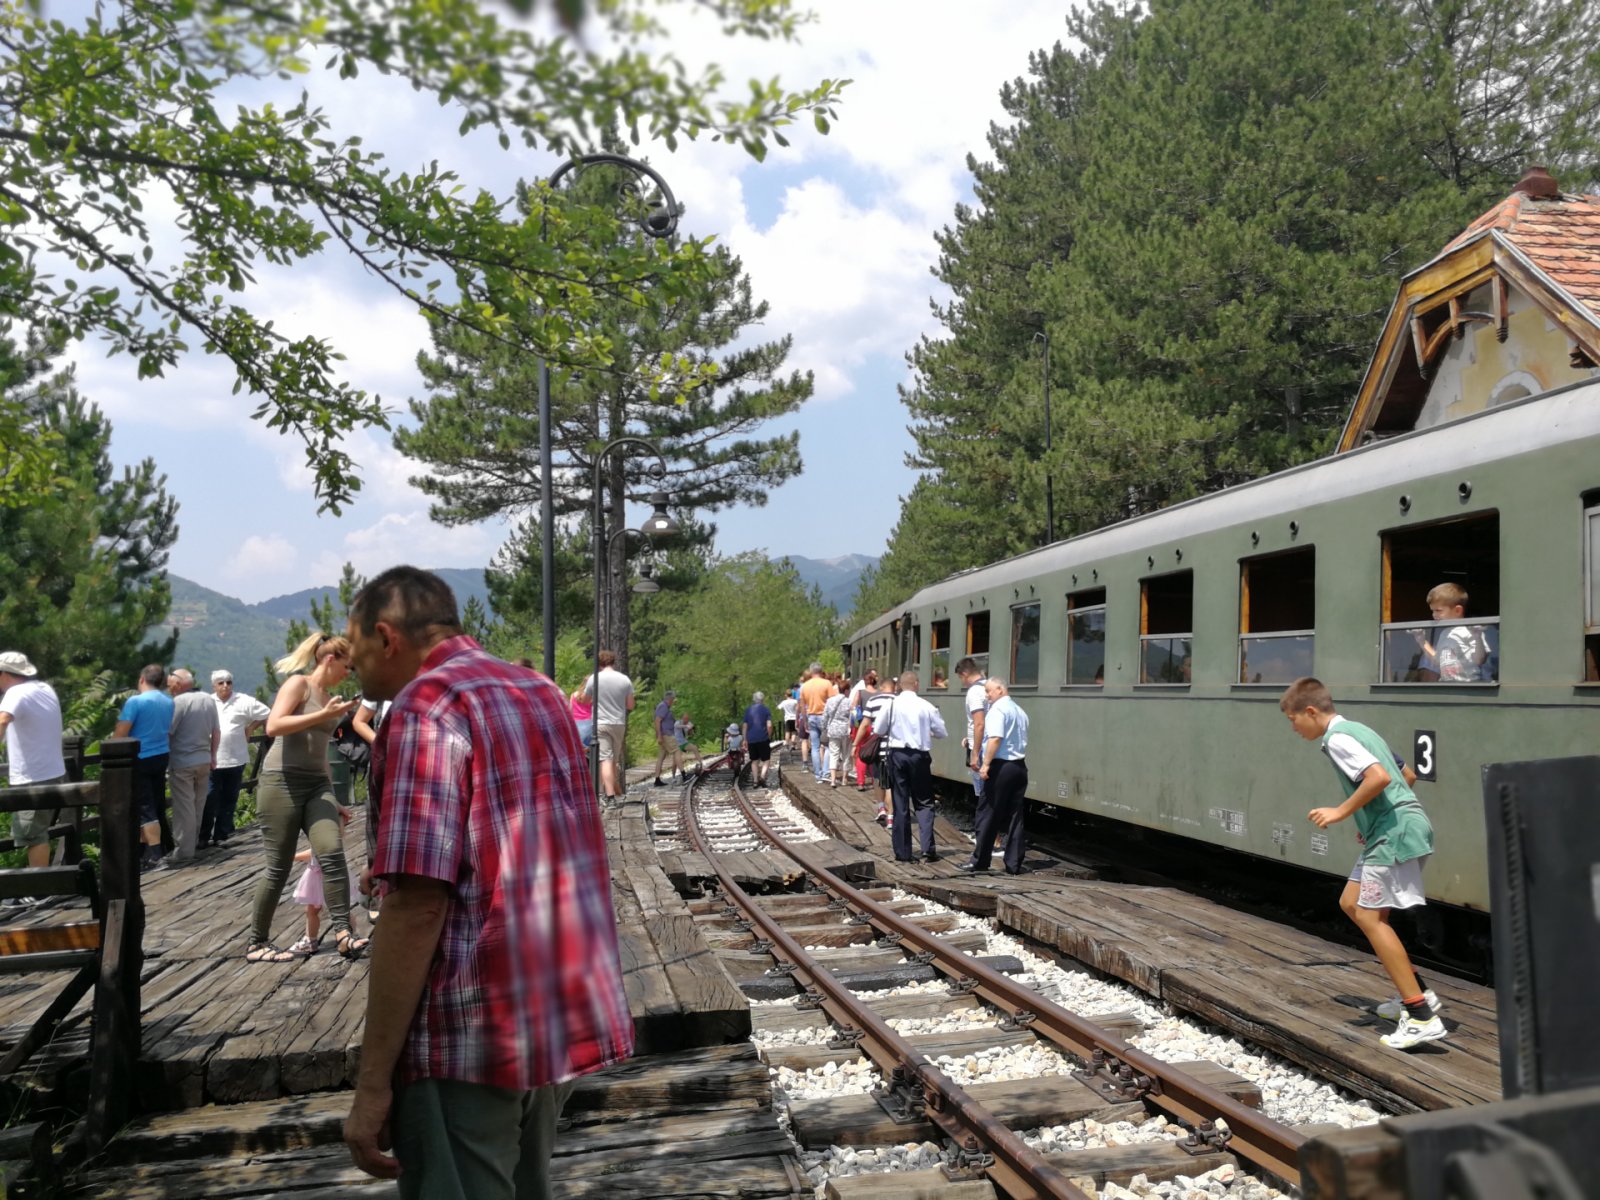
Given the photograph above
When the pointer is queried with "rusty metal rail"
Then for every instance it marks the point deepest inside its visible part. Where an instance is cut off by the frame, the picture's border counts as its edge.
(1108, 1063)
(985, 1146)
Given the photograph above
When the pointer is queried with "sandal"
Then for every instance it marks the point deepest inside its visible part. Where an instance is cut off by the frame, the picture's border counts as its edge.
(266, 952)
(350, 946)
(306, 947)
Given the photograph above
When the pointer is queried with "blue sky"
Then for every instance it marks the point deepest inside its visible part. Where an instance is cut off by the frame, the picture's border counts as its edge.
(836, 233)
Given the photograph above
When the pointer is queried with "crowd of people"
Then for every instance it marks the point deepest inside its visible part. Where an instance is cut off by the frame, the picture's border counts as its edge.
(496, 978)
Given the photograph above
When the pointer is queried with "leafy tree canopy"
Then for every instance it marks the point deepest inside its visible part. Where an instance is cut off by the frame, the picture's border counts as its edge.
(82, 565)
(751, 626)
(143, 105)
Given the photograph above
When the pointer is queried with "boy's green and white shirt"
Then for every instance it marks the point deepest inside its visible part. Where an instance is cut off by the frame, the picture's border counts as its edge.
(1393, 827)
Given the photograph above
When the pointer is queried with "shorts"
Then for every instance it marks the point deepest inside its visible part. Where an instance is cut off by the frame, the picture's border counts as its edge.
(31, 826)
(613, 743)
(1398, 885)
(668, 741)
(760, 751)
(788, 726)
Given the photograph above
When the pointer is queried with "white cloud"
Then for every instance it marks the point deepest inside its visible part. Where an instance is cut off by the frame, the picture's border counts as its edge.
(261, 557)
(405, 537)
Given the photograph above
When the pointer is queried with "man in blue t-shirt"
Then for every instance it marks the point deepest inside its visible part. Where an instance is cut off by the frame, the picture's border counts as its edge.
(758, 734)
(147, 715)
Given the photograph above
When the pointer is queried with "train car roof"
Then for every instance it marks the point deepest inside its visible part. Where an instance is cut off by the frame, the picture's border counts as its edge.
(1519, 427)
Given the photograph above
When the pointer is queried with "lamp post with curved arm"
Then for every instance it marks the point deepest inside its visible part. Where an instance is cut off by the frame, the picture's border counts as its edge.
(660, 222)
(659, 524)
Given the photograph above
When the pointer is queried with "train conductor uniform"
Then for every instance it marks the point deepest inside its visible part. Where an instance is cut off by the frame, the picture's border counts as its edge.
(1005, 767)
(908, 727)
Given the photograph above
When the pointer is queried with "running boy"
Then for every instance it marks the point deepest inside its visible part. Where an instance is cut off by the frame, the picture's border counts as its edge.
(1395, 838)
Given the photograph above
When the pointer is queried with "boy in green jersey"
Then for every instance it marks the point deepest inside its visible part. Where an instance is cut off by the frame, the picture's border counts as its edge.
(1395, 838)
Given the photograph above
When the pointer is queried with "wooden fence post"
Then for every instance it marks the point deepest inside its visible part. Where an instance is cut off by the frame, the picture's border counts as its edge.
(114, 1052)
(69, 849)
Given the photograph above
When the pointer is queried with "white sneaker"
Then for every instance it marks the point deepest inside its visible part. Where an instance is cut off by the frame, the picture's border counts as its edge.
(1394, 1008)
(1412, 1032)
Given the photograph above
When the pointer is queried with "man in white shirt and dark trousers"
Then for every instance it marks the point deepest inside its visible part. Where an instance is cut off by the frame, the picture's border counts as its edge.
(1005, 769)
(30, 716)
(976, 704)
(908, 727)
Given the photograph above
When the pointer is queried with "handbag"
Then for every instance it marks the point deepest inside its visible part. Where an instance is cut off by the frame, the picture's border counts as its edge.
(872, 745)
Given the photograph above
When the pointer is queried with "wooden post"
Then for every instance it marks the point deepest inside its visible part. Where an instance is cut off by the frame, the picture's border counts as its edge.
(114, 1051)
(69, 849)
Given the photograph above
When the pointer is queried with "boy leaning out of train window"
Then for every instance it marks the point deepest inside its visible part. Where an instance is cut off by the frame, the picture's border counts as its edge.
(1457, 654)
(1396, 840)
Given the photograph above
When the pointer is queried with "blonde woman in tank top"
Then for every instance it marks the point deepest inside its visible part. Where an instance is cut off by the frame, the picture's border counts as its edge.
(295, 792)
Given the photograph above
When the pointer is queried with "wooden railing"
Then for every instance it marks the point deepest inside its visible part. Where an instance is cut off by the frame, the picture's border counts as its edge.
(105, 953)
(68, 827)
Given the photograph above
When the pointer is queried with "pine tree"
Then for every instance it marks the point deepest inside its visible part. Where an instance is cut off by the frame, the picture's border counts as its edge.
(1207, 210)
(477, 431)
(82, 565)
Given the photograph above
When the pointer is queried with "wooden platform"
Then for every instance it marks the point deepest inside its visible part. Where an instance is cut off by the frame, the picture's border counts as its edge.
(217, 1029)
(1294, 993)
(1306, 998)
(695, 1124)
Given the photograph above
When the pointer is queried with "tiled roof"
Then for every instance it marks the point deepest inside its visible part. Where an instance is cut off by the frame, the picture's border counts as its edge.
(1561, 236)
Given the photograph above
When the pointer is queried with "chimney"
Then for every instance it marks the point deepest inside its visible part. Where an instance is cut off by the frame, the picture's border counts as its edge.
(1538, 184)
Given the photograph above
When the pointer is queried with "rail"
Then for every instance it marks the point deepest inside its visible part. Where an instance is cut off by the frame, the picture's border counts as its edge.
(1110, 1064)
(986, 1145)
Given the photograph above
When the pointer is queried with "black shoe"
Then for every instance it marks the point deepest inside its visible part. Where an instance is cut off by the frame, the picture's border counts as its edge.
(973, 867)
(659, 783)
(1018, 871)
(897, 858)
(203, 844)
(931, 856)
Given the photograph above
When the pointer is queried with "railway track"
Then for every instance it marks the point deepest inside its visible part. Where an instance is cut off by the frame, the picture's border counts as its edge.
(718, 817)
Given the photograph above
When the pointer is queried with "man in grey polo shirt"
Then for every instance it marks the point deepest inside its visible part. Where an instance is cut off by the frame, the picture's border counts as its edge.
(193, 740)
(614, 699)
(30, 714)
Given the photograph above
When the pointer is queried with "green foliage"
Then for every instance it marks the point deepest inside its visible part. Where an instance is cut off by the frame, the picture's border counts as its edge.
(477, 433)
(1207, 209)
(92, 712)
(751, 626)
(81, 564)
(199, 105)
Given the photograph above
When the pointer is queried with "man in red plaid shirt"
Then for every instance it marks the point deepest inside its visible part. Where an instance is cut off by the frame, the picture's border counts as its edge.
(495, 975)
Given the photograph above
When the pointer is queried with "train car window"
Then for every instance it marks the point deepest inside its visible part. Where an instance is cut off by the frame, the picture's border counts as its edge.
(1025, 645)
(1086, 638)
(1277, 616)
(916, 648)
(1166, 628)
(1591, 587)
(978, 639)
(939, 653)
(1442, 641)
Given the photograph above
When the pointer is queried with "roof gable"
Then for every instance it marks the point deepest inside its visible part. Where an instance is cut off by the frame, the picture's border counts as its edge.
(1531, 264)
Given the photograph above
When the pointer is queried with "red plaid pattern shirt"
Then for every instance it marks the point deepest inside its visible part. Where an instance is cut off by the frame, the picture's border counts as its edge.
(485, 786)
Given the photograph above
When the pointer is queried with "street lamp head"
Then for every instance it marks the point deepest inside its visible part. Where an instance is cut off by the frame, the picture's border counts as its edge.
(661, 221)
(660, 522)
(647, 584)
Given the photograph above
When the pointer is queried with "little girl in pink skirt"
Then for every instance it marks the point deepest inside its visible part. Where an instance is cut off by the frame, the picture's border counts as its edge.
(309, 893)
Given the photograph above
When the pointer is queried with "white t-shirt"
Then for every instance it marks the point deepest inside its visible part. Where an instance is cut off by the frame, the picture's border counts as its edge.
(236, 716)
(788, 706)
(33, 736)
(611, 704)
(977, 701)
(1349, 755)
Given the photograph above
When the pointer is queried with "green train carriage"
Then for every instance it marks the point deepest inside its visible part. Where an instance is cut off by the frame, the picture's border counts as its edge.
(1150, 654)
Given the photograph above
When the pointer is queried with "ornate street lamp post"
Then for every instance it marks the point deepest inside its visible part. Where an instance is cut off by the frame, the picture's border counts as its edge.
(660, 222)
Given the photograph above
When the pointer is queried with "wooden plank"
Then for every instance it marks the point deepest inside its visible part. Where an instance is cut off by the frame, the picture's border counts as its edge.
(1156, 1161)
(1368, 1161)
(958, 1044)
(907, 1185)
(1017, 1103)
(877, 979)
(711, 1006)
(912, 1007)
(80, 935)
(1297, 1016)
(247, 1064)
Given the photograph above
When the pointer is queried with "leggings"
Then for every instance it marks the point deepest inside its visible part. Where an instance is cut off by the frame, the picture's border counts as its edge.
(286, 806)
